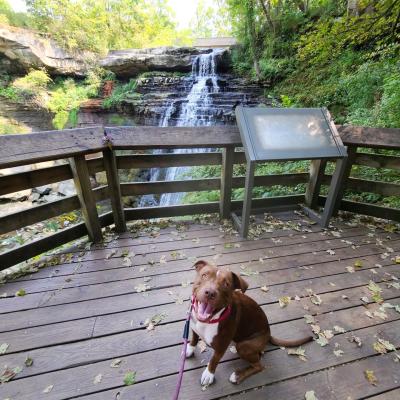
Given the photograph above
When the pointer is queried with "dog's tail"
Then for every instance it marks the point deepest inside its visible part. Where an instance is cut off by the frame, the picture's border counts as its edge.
(290, 343)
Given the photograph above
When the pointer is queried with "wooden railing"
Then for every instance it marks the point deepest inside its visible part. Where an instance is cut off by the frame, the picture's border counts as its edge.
(76, 144)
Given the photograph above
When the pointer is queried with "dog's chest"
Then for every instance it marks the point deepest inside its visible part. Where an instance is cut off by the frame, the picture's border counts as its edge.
(206, 331)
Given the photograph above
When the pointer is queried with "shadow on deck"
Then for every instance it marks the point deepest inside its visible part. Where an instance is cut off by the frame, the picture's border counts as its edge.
(83, 322)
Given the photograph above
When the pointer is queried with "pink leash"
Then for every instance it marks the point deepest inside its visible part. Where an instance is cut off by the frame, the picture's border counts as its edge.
(183, 358)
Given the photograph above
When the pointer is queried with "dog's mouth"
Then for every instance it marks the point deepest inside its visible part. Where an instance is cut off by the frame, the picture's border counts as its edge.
(204, 310)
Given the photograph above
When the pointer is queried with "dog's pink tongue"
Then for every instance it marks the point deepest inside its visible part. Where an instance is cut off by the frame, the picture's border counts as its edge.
(204, 310)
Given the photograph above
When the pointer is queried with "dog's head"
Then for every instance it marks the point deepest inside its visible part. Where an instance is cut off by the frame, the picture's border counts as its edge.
(213, 289)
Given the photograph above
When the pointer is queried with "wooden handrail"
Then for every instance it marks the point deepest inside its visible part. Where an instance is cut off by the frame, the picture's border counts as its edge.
(51, 145)
(74, 144)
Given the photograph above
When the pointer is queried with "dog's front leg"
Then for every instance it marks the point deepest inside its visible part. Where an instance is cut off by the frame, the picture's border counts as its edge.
(207, 378)
(192, 345)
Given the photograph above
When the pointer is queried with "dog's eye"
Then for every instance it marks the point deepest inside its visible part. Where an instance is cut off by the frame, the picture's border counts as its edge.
(204, 276)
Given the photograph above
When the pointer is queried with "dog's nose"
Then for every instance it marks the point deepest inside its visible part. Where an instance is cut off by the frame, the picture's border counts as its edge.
(211, 294)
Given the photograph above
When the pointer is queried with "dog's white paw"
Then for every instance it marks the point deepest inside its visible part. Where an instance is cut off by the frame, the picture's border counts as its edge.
(207, 378)
(233, 378)
(190, 350)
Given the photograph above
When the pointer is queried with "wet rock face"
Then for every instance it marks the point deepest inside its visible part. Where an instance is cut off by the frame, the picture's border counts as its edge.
(159, 91)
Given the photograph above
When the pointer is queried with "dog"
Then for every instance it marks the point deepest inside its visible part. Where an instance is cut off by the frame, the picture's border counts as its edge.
(221, 314)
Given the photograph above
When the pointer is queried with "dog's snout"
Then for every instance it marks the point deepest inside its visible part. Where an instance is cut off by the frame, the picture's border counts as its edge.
(210, 294)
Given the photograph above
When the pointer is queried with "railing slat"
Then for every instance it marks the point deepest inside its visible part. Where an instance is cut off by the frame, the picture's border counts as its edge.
(207, 208)
(196, 185)
(377, 161)
(30, 216)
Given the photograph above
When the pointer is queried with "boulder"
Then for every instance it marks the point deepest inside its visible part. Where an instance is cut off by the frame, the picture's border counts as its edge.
(27, 49)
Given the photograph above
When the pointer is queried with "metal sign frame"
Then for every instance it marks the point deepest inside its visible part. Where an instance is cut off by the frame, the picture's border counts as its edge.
(251, 160)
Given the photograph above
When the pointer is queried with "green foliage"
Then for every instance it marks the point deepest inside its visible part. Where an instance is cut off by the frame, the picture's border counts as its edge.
(99, 25)
(10, 17)
(120, 93)
(10, 126)
(32, 82)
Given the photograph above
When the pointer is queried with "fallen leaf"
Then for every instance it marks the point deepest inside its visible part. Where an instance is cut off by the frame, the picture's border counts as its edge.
(309, 319)
(310, 395)
(365, 299)
(316, 329)
(338, 353)
(284, 301)
(368, 314)
(264, 288)
(358, 264)
(233, 350)
(20, 293)
(331, 252)
(116, 363)
(142, 287)
(322, 341)
(350, 269)
(150, 323)
(28, 362)
(8, 373)
(339, 329)
(110, 254)
(127, 262)
(163, 259)
(380, 314)
(370, 376)
(4, 347)
(314, 298)
(355, 339)
(185, 283)
(48, 389)
(299, 351)
(130, 378)
(97, 379)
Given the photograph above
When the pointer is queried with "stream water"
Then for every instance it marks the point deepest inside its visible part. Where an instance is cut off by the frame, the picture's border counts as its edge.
(195, 110)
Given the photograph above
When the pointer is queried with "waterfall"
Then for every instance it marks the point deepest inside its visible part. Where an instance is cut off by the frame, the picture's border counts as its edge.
(195, 111)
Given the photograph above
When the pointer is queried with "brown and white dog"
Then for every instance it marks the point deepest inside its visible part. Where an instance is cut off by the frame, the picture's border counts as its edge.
(222, 314)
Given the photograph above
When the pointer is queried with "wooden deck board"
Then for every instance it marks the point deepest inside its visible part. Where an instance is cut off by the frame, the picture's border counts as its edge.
(74, 321)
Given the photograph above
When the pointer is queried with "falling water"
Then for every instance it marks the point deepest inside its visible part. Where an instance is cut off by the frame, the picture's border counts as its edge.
(196, 110)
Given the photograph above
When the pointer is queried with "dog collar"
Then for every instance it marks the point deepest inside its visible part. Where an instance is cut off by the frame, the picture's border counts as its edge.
(226, 313)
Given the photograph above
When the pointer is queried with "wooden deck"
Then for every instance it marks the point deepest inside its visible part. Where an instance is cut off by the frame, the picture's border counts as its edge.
(78, 317)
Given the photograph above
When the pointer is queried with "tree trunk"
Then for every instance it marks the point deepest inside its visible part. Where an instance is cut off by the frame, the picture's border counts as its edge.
(252, 36)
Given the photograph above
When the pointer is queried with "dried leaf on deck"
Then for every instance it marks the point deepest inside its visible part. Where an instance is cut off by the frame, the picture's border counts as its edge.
(284, 301)
(130, 378)
(369, 314)
(4, 347)
(338, 353)
(322, 340)
(358, 264)
(232, 349)
(28, 361)
(339, 329)
(355, 339)
(299, 351)
(127, 262)
(142, 287)
(309, 319)
(48, 389)
(365, 299)
(350, 269)
(150, 323)
(370, 376)
(314, 298)
(380, 314)
(328, 334)
(264, 288)
(116, 363)
(97, 379)
(310, 395)
(110, 254)
(8, 373)
(20, 293)
(331, 252)
(163, 259)
(185, 283)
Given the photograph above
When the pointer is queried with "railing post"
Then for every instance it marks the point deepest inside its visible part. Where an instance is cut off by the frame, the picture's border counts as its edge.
(351, 156)
(226, 182)
(80, 173)
(114, 189)
(317, 170)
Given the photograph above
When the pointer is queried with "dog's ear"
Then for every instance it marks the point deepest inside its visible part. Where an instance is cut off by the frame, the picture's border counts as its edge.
(199, 265)
(239, 282)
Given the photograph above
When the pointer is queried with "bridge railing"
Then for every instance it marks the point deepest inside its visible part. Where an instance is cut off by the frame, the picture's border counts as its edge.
(87, 153)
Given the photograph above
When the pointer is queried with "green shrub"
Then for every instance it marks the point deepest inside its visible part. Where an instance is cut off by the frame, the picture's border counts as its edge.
(33, 81)
(120, 93)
